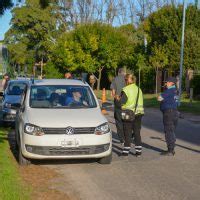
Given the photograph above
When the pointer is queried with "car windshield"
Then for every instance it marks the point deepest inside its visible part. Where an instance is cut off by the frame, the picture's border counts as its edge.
(58, 96)
(16, 88)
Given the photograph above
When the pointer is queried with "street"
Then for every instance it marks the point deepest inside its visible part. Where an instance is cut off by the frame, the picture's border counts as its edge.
(148, 177)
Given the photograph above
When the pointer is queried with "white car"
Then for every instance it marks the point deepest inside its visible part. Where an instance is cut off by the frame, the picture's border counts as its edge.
(61, 119)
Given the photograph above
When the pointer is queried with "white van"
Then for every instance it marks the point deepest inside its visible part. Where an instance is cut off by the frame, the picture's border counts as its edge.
(61, 119)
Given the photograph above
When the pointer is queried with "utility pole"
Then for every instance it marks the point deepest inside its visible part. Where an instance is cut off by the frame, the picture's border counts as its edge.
(42, 64)
(197, 3)
(182, 51)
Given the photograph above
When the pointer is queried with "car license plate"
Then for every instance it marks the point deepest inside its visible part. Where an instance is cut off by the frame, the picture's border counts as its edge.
(69, 143)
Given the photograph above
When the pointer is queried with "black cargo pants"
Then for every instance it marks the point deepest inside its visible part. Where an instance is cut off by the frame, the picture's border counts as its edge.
(118, 121)
(170, 121)
(133, 126)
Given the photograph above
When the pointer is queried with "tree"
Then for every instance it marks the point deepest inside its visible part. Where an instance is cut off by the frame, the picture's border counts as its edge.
(107, 46)
(31, 34)
(5, 4)
(91, 48)
(159, 60)
(163, 29)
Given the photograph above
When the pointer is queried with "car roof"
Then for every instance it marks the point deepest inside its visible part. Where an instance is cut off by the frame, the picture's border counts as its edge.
(20, 81)
(60, 82)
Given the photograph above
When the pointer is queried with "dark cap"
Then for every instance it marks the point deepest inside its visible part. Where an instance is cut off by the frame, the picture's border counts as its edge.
(171, 79)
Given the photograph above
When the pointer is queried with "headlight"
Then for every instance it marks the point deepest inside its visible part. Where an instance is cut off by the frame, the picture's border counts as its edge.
(102, 129)
(7, 105)
(33, 130)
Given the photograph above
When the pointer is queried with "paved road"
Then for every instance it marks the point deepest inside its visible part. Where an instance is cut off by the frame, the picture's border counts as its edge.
(149, 177)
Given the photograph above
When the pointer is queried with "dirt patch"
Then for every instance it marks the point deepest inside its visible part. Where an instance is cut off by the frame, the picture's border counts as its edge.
(40, 180)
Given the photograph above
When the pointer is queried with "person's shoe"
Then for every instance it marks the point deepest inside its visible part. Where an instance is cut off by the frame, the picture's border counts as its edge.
(168, 153)
(138, 154)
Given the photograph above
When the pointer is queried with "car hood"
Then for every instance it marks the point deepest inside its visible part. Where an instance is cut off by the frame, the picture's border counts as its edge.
(12, 99)
(66, 117)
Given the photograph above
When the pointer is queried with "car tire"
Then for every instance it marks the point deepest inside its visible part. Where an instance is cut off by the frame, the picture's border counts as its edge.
(22, 160)
(106, 160)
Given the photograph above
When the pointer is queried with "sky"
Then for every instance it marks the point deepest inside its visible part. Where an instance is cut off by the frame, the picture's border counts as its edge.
(4, 23)
(5, 20)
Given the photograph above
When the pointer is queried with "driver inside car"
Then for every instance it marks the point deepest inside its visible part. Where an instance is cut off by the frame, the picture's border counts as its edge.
(75, 98)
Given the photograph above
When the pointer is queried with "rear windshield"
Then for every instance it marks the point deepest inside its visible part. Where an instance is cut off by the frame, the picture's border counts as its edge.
(16, 88)
(58, 96)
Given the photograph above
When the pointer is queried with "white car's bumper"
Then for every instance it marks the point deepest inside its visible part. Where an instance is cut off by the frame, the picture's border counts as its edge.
(67, 146)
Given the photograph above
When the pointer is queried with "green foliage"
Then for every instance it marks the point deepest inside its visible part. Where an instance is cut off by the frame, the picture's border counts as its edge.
(164, 32)
(31, 32)
(43, 34)
(103, 43)
(5, 4)
(158, 59)
(52, 72)
(91, 48)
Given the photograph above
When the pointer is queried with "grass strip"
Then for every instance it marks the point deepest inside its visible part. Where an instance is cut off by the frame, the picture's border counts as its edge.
(11, 184)
(150, 101)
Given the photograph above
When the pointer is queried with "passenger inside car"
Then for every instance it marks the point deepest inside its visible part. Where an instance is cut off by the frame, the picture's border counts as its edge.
(74, 97)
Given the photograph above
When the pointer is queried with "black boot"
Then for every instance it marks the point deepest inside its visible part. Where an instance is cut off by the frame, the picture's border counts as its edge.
(168, 153)
(125, 151)
(138, 154)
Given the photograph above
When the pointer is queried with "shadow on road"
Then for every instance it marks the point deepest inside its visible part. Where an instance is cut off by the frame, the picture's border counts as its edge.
(186, 131)
(179, 145)
(117, 149)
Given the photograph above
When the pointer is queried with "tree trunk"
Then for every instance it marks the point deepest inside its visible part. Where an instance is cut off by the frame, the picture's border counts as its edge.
(156, 80)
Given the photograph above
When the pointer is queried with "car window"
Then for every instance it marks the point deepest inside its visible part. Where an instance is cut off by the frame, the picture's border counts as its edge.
(58, 96)
(16, 88)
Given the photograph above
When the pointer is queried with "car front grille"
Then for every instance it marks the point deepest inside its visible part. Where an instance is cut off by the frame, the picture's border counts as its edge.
(9, 117)
(84, 130)
(67, 151)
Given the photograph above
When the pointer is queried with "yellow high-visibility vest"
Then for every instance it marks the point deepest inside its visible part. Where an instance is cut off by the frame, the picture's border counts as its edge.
(131, 93)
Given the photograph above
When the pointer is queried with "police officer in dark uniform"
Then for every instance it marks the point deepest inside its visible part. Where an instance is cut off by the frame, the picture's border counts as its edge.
(168, 106)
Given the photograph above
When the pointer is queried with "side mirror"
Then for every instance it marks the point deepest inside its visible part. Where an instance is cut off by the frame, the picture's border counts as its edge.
(106, 105)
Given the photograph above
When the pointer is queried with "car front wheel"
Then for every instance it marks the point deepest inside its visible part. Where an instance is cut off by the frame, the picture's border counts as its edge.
(106, 160)
(22, 160)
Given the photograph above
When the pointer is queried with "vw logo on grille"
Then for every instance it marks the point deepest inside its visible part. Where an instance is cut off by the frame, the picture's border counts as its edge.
(69, 131)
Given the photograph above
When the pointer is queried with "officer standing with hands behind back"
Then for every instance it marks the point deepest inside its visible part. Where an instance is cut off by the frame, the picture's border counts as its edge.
(168, 106)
